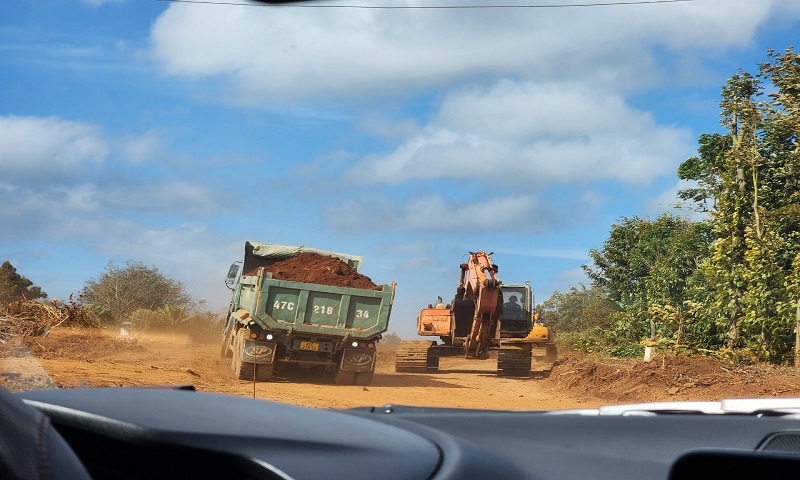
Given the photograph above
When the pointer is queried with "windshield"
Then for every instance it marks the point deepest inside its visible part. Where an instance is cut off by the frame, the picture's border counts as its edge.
(385, 177)
(515, 304)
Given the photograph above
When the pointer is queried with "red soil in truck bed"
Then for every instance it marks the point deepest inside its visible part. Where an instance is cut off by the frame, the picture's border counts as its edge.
(320, 269)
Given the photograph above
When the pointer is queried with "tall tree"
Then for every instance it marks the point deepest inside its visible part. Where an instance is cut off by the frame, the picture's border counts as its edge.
(121, 290)
(14, 286)
(754, 173)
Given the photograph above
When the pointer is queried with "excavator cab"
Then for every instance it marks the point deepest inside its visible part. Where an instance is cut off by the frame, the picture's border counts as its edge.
(515, 319)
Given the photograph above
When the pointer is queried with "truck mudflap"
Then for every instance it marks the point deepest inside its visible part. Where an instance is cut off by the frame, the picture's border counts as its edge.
(258, 352)
(357, 360)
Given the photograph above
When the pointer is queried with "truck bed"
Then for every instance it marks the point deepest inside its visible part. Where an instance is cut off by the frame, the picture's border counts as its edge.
(316, 309)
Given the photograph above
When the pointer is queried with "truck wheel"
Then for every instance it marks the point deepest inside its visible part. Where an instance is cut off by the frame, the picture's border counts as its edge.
(246, 371)
(225, 351)
(342, 377)
(236, 358)
(364, 378)
(264, 371)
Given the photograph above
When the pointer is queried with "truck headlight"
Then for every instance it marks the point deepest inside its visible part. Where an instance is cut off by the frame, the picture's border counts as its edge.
(269, 336)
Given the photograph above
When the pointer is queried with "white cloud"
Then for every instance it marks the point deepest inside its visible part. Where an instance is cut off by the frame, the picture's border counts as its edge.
(281, 53)
(572, 277)
(48, 147)
(434, 213)
(141, 148)
(414, 256)
(385, 128)
(162, 197)
(560, 253)
(525, 133)
(97, 3)
(30, 211)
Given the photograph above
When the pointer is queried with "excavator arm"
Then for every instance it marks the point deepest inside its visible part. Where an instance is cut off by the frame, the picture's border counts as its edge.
(481, 290)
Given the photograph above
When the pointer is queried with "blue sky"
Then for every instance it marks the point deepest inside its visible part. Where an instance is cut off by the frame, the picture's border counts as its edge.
(170, 133)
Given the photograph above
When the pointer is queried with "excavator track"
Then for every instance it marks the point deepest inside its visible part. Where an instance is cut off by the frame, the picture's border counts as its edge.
(415, 357)
(514, 360)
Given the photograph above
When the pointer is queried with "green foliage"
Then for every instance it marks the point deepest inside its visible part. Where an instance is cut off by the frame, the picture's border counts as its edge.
(14, 286)
(587, 320)
(578, 310)
(731, 284)
(751, 275)
(705, 170)
(100, 313)
(122, 290)
(620, 337)
(648, 267)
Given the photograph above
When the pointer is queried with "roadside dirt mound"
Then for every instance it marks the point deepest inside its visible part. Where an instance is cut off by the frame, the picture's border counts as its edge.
(671, 378)
(320, 269)
(80, 344)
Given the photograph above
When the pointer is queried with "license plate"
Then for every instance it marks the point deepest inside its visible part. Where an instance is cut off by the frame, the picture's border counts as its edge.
(539, 352)
(313, 346)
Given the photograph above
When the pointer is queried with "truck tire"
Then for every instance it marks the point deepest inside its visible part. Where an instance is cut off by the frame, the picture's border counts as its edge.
(225, 351)
(364, 378)
(246, 371)
(264, 371)
(342, 377)
(241, 370)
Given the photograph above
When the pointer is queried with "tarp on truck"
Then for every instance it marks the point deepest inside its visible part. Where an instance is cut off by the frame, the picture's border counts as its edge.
(272, 253)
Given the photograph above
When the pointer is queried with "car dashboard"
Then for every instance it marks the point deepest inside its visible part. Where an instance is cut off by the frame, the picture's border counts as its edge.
(127, 433)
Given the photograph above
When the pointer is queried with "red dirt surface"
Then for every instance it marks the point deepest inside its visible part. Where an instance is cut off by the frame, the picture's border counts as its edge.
(74, 358)
(671, 378)
(320, 269)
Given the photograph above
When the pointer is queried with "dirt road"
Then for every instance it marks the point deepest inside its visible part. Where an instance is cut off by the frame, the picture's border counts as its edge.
(79, 359)
(172, 360)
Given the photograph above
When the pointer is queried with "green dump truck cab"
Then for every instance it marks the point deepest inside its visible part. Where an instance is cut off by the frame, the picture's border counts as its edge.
(273, 322)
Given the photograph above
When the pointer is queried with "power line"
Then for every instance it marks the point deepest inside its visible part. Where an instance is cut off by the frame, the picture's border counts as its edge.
(427, 7)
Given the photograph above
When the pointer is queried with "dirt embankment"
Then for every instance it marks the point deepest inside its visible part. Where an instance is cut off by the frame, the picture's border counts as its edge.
(671, 378)
(68, 358)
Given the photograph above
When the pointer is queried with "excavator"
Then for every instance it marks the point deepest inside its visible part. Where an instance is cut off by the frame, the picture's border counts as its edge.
(484, 315)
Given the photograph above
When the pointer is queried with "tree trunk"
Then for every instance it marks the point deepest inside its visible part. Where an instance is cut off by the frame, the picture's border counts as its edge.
(797, 335)
(733, 332)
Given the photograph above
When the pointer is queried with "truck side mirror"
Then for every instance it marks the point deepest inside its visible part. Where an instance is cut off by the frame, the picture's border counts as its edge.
(233, 272)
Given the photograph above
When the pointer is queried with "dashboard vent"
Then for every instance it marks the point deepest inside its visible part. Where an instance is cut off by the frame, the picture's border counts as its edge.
(783, 443)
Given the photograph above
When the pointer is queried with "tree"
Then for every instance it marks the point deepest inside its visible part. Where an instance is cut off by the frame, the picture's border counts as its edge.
(647, 267)
(645, 259)
(14, 286)
(751, 174)
(705, 170)
(123, 290)
(578, 309)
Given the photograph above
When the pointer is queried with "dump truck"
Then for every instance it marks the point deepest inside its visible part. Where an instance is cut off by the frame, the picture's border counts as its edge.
(485, 315)
(273, 322)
